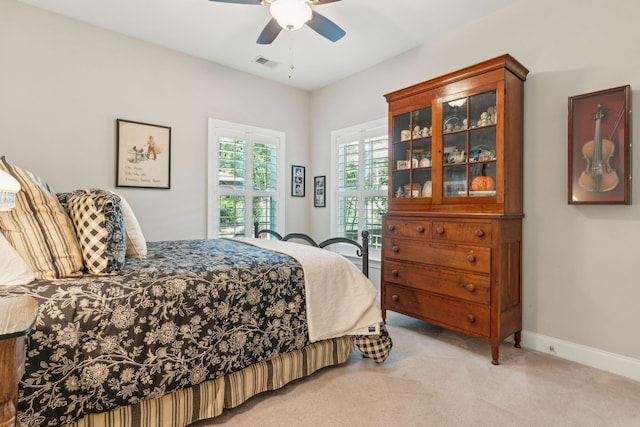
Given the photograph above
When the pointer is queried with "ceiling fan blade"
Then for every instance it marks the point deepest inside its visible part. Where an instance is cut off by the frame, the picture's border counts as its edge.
(325, 27)
(270, 32)
(239, 1)
(315, 2)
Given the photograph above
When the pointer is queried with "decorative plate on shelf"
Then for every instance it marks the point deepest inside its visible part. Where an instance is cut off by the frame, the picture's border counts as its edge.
(480, 151)
(452, 123)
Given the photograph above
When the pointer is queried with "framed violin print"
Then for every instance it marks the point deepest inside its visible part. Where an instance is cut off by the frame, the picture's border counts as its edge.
(599, 147)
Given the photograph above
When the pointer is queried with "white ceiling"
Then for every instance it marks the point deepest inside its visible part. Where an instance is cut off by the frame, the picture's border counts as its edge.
(226, 33)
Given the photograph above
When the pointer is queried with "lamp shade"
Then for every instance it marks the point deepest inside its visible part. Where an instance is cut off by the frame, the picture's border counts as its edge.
(290, 14)
(8, 189)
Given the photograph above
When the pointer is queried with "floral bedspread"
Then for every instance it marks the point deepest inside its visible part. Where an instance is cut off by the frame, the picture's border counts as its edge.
(191, 311)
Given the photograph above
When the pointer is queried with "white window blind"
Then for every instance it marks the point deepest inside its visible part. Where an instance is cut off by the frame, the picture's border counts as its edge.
(245, 170)
(360, 169)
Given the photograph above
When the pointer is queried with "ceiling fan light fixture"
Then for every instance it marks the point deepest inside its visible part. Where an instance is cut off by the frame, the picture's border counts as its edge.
(290, 14)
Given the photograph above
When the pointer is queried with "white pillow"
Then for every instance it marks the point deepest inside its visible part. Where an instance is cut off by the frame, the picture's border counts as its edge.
(13, 269)
(136, 243)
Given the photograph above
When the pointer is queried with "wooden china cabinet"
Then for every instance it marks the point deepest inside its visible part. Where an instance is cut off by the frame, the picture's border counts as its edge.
(452, 238)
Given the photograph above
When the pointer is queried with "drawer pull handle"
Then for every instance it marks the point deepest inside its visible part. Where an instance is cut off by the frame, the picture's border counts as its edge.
(395, 249)
(391, 227)
(420, 229)
(395, 298)
(470, 287)
(479, 232)
(471, 318)
(394, 273)
(440, 230)
(471, 258)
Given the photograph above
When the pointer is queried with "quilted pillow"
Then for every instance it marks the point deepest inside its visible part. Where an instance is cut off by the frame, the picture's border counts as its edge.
(99, 225)
(39, 228)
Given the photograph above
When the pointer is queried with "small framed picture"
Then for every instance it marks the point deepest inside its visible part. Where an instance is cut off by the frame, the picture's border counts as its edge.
(297, 181)
(319, 193)
(599, 147)
(404, 164)
(144, 155)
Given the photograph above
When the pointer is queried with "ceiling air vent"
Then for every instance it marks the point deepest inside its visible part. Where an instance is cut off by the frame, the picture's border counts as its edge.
(265, 61)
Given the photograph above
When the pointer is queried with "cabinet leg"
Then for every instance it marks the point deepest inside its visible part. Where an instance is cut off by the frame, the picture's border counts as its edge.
(384, 316)
(495, 354)
(516, 339)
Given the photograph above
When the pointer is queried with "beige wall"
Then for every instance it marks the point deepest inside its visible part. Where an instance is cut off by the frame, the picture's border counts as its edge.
(581, 285)
(63, 84)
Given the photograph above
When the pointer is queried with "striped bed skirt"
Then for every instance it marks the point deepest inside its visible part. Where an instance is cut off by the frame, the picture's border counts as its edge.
(208, 399)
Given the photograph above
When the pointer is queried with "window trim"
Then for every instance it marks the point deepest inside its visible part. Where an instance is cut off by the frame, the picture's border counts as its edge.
(215, 129)
(364, 130)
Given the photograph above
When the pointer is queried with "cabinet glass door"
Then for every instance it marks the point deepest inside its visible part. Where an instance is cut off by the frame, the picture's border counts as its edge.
(411, 154)
(469, 146)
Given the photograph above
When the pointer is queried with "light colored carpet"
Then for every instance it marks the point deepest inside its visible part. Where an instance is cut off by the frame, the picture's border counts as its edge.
(436, 377)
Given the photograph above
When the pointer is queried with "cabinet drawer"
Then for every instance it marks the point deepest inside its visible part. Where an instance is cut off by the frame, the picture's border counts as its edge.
(472, 232)
(459, 315)
(465, 257)
(470, 287)
(407, 228)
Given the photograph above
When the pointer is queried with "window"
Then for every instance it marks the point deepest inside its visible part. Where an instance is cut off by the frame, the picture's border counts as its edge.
(360, 170)
(246, 170)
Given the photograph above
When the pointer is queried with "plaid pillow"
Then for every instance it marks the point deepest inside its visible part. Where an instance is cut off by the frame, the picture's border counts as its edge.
(376, 347)
(99, 226)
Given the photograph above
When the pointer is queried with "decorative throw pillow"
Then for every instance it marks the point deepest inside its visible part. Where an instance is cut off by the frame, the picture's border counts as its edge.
(13, 269)
(136, 243)
(39, 228)
(99, 225)
(376, 347)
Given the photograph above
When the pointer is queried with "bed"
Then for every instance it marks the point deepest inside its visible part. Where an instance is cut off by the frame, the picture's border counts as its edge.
(188, 329)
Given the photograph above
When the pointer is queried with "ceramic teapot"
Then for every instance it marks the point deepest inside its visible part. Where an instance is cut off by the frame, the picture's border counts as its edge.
(457, 156)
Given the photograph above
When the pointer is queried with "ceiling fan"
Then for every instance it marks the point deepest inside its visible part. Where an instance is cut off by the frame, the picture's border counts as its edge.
(291, 15)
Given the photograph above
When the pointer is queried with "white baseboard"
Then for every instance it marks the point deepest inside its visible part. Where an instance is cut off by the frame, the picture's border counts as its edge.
(610, 362)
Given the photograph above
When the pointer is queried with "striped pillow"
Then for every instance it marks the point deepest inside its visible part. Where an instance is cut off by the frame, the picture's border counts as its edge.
(39, 229)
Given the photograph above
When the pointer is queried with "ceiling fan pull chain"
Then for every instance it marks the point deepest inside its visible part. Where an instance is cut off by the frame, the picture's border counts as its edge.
(291, 66)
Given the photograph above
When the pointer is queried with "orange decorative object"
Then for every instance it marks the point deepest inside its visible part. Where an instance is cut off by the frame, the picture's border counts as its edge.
(483, 183)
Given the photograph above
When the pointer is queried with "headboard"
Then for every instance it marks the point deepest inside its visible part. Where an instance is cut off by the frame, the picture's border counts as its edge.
(362, 249)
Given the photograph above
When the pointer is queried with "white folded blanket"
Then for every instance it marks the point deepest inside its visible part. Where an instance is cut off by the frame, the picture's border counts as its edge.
(340, 299)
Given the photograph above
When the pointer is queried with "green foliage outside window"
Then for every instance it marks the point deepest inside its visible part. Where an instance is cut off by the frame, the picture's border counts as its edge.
(362, 187)
(232, 176)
